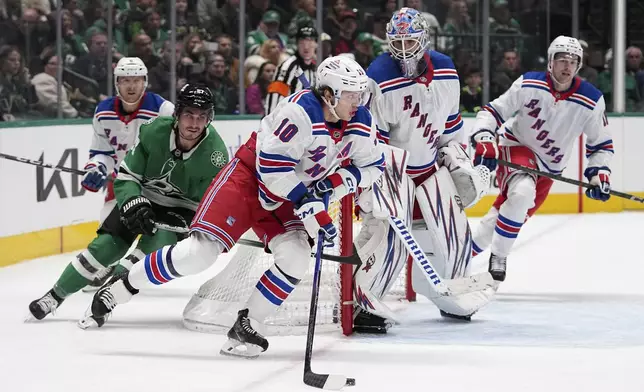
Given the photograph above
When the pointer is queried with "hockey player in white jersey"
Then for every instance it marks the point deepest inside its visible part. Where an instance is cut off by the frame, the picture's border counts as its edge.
(552, 109)
(273, 185)
(116, 128)
(116, 125)
(415, 102)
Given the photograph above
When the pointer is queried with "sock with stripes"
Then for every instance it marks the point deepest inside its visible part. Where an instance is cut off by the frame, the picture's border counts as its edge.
(482, 237)
(270, 292)
(513, 213)
(102, 252)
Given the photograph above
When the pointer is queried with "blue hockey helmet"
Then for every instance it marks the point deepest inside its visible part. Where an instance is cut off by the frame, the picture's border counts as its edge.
(408, 39)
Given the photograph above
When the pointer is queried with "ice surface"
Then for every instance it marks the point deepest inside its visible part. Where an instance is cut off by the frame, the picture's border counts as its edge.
(570, 317)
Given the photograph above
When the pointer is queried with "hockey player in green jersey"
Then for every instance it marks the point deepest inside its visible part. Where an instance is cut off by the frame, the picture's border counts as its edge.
(162, 179)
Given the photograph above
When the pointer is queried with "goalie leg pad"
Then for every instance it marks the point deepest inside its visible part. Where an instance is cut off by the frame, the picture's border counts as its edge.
(450, 237)
(383, 256)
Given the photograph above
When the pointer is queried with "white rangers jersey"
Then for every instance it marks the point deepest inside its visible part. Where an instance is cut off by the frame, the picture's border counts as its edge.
(419, 115)
(115, 133)
(548, 122)
(296, 147)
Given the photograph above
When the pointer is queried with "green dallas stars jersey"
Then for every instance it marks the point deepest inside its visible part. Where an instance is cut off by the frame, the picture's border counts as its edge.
(155, 169)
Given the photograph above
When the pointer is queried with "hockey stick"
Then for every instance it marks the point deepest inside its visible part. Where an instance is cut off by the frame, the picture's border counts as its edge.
(353, 259)
(566, 180)
(322, 381)
(46, 165)
(447, 287)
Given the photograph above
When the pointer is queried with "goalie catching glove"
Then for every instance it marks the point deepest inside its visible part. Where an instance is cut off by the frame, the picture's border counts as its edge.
(312, 211)
(599, 178)
(137, 216)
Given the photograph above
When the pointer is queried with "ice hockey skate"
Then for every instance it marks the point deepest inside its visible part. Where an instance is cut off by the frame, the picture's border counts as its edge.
(43, 306)
(497, 267)
(116, 291)
(243, 340)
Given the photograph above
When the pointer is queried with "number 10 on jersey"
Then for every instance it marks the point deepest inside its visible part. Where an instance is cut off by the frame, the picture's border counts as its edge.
(285, 132)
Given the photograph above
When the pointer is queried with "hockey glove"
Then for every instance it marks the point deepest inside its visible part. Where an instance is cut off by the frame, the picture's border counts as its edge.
(95, 176)
(313, 214)
(339, 184)
(599, 178)
(137, 216)
(486, 152)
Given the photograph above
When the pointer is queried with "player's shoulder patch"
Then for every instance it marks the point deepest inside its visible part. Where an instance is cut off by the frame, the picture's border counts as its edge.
(218, 159)
(383, 68)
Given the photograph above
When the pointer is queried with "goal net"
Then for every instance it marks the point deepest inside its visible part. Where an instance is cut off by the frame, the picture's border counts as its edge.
(213, 308)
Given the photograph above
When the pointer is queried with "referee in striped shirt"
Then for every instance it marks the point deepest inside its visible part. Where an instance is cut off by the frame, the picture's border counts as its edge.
(286, 77)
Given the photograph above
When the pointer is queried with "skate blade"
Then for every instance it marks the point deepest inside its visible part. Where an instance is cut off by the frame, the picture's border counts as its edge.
(29, 318)
(87, 323)
(235, 348)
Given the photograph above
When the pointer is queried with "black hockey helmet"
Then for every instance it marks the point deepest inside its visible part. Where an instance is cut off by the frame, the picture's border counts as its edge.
(306, 30)
(195, 96)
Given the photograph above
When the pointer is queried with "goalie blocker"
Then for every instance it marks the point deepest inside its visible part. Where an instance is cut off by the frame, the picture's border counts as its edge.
(440, 241)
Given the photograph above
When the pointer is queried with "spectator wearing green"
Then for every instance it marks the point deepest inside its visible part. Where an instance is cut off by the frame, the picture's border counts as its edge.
(503, 23)
(458, 27)
(633, 97)
(268, 29)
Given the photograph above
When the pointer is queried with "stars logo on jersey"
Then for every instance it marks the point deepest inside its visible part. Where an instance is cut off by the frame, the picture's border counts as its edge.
(218, 159)
(163, 185)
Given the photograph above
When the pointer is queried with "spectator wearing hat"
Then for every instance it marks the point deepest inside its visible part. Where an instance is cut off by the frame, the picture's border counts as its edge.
(305, 16)
(348, 26)
(286, 80)
(503, 23)
(363, 52)
(267, 29)
(46, 87)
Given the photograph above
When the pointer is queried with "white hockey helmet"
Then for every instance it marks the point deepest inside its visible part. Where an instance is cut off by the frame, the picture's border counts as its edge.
(564, 44)
(341, 73)
(130, 66)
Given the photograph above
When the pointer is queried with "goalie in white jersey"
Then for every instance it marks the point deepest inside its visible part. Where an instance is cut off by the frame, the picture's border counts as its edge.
(415, 102)
(551, 110)
(273, 185)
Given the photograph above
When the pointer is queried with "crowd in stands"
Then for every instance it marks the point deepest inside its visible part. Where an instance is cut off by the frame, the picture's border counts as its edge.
(208, 46)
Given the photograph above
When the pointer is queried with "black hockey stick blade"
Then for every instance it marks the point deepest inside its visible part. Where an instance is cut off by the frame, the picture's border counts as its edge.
(331, 382)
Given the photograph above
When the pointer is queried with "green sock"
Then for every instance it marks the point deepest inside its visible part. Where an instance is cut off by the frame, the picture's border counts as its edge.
(102, 252)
